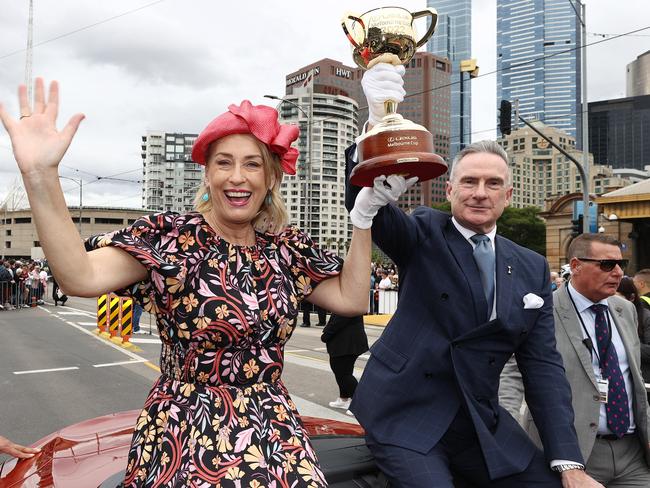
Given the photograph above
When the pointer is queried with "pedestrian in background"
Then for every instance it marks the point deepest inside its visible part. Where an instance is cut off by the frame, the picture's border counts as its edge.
(642, 283)
(346, 340)
(55, 293)
(628, 290)
(137, 313)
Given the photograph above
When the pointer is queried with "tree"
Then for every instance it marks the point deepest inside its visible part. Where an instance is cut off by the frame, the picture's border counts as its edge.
(520, 225)
(523, 226)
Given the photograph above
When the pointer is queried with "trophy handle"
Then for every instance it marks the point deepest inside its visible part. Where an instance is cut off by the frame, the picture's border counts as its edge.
(434, 20)
(344, 21)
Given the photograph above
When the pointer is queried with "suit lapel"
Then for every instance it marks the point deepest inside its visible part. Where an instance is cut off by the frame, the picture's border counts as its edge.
(505, 268)
(462, 252)
(570, 321)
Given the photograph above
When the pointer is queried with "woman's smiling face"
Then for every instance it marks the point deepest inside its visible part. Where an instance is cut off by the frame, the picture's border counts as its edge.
(236, 175)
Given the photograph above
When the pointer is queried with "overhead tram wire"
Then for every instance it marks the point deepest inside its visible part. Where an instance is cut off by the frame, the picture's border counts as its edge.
(506, 68)
(80, 29)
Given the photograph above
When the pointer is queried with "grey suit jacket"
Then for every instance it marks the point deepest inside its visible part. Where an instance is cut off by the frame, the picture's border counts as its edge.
(580, 373)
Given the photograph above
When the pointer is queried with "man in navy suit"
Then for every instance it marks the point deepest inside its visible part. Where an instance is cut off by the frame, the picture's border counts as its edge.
(469, 299)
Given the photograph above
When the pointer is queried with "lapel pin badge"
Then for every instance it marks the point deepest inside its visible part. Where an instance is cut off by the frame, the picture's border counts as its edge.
(509, 270)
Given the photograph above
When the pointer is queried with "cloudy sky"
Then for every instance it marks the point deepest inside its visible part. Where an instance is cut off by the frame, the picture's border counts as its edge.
(134, 65)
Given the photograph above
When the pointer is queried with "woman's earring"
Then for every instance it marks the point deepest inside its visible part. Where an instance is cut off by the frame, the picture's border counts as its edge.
(268, 200)
(205, 197)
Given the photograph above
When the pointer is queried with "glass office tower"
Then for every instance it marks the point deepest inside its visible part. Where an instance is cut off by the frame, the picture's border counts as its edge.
(453, 40)
(538, 58)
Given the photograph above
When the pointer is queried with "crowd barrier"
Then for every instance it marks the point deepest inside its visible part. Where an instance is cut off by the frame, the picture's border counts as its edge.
(115, 319)
(17, 295)
(382, 302)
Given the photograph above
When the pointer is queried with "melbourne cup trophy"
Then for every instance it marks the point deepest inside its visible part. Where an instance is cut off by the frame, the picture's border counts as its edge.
(395, 145)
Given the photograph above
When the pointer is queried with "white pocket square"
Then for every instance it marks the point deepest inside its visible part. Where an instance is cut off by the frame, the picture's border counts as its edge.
(533, 301)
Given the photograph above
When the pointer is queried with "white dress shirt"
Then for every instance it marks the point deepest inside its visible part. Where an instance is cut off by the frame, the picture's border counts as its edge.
(589, 319)
(467, 234)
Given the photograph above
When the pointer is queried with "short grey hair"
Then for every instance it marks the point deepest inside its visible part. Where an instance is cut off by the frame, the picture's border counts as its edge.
(487, 146)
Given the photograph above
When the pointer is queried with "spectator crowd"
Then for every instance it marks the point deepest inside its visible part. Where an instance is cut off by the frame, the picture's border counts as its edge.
(22, 283)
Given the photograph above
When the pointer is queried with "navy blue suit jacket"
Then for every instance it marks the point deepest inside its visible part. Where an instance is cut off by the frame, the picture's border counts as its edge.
(439, 353)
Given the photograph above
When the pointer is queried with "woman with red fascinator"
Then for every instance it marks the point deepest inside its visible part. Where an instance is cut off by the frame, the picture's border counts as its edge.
(225, 283)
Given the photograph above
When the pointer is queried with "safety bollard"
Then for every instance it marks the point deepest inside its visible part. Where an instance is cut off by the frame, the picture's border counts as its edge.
(114, 318)
(102, 316)
(126, 321)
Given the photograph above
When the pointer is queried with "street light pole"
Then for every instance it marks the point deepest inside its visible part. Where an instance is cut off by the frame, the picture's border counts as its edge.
(584, 109)
(585, 116)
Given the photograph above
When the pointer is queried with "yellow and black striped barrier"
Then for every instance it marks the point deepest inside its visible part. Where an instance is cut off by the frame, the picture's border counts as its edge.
(126, 321)
(114, 318)
(102, 316)
(116, 314)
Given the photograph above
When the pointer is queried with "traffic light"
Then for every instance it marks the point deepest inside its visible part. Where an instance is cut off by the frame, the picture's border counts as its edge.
(576, 226)
(505, 117)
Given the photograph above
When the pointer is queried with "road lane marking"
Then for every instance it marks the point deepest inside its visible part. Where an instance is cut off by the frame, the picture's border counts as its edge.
(315, 363)
(119, 363)
(88, 323)
(291, 351)
(132, 355)
(320, 349)
(46, 370)
(73, 312)
(144, 340)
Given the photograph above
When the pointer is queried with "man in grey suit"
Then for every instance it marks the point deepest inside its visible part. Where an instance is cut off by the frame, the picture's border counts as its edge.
(596, 336)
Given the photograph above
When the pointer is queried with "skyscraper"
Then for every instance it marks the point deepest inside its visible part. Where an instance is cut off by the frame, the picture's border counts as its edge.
(637, 80)
(538, 59)
(170, 177)
(320, 99)
(453, 40)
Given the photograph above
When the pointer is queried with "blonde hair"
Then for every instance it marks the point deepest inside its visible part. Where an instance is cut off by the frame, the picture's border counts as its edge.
(271, 217)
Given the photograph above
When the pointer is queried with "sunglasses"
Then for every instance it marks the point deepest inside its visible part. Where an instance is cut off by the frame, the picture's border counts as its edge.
(607, 264)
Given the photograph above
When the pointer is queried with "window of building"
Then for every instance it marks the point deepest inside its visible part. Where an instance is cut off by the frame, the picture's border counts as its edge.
(108, 220)
(37, 243)
(8, 232)
(23, 220)
(7, 244)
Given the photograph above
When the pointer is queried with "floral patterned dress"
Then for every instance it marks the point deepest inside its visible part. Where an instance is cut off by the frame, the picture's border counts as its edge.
(219, 415)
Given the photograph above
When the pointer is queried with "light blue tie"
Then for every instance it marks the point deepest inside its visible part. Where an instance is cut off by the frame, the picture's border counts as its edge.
(484, 257)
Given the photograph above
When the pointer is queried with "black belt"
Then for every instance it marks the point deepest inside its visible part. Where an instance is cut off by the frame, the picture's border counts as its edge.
(612, 437)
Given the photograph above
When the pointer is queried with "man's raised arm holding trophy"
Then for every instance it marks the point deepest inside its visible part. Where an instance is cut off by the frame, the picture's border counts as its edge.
(469, 299)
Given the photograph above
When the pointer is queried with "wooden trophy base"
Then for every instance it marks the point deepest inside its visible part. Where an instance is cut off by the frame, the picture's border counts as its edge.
(406, 152)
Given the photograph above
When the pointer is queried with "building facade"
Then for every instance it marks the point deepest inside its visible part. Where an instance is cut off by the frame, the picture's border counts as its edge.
(619, 132)
(315, 195)
(20, 239)
(453, 40)
(540, 172)
(538, 60)
(170, 178)
(637, 79)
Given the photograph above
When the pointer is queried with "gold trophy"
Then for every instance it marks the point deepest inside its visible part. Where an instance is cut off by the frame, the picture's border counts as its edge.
(395, 145)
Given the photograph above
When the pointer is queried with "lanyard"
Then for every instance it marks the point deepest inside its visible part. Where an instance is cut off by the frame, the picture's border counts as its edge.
(588, 342)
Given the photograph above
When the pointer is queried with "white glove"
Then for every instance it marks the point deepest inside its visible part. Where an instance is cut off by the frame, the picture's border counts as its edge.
(380, 83)
(370, 199)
